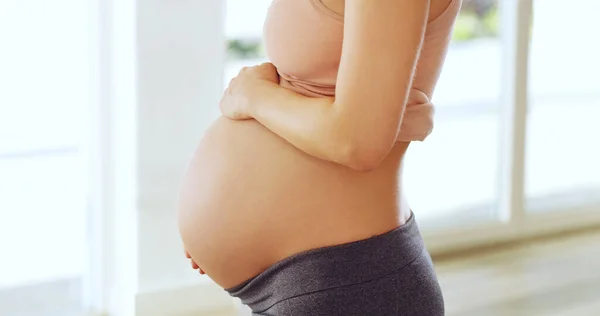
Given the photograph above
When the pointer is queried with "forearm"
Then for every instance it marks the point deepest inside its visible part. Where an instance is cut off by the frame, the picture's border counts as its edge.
(306, 123)
(312, 125)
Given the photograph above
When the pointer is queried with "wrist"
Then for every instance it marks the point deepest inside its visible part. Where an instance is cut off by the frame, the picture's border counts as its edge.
(248, 97)
(256, 90)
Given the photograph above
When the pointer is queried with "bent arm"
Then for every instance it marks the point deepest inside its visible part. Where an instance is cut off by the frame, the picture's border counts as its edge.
(357, 128)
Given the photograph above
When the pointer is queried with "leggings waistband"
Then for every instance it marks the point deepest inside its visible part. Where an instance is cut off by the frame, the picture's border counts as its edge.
(333, 266)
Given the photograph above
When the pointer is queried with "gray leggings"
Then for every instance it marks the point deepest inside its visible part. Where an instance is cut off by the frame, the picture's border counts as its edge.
(386, 275)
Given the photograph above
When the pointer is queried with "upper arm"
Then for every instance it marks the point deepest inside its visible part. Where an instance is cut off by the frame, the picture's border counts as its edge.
(382, 42)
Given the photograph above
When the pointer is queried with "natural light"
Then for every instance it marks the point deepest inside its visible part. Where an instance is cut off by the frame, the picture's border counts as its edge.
(45, 81)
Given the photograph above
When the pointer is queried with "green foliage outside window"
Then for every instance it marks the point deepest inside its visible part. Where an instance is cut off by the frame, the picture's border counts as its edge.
(477, 19)
(244, 49)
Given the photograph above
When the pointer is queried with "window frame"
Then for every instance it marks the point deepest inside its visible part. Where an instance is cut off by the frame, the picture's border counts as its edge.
(513, 221)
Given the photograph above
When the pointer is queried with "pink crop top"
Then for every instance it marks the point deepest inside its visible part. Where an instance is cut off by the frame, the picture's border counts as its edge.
(303, 39)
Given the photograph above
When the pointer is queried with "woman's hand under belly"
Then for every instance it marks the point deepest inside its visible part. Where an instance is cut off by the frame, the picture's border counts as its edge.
(250, 199)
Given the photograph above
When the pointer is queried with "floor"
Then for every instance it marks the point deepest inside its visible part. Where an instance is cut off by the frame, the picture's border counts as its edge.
(542, 278)
(545, 278)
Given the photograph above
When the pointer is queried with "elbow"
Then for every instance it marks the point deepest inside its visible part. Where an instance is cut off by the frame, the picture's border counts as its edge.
(363, 158)
(362, 147)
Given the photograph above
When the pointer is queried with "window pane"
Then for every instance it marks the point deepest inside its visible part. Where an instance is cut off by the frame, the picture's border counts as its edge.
(562, 139)
(44, 73)
(42, 234)
(243, 28)
(452, 175)
(44, 88)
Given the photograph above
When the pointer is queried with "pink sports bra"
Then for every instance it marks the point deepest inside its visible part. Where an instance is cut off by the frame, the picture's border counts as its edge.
(303, 39)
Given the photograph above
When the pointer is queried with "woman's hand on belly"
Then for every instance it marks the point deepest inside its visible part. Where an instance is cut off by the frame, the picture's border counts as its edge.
(195, 266)
(234, 104)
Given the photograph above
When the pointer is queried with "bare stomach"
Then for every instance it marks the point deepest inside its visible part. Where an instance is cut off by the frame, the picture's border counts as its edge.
(250, 199)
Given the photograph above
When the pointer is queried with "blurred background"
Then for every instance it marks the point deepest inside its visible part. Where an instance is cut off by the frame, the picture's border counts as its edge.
(90, 114)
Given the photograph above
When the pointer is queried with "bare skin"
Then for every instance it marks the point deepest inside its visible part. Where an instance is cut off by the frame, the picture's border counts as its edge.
(303, 202)
(250, 198)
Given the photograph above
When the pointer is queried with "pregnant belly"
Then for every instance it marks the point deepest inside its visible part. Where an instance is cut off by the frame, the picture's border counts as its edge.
(249, 199)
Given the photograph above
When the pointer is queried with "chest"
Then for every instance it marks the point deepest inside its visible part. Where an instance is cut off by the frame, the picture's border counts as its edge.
(303, 38)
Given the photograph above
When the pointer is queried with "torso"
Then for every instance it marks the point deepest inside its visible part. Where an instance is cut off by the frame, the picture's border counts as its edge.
(250, 199)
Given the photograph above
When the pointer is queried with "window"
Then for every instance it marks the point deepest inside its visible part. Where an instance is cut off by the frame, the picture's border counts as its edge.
(462, 185)
(243, 29)
(44, 87)
(562, 160)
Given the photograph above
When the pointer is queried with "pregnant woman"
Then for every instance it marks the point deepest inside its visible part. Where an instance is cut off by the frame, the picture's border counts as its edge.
(293, 201)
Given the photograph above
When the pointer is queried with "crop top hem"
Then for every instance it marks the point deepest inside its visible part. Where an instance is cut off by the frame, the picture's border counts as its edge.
(323, 9)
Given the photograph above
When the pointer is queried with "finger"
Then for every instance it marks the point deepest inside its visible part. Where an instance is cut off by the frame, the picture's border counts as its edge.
(187, 255)
(267, 65)
(202, 271)
(195, 265)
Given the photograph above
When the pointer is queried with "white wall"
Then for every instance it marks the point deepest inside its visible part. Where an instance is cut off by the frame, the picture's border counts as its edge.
(180, 66)
(161, 68)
